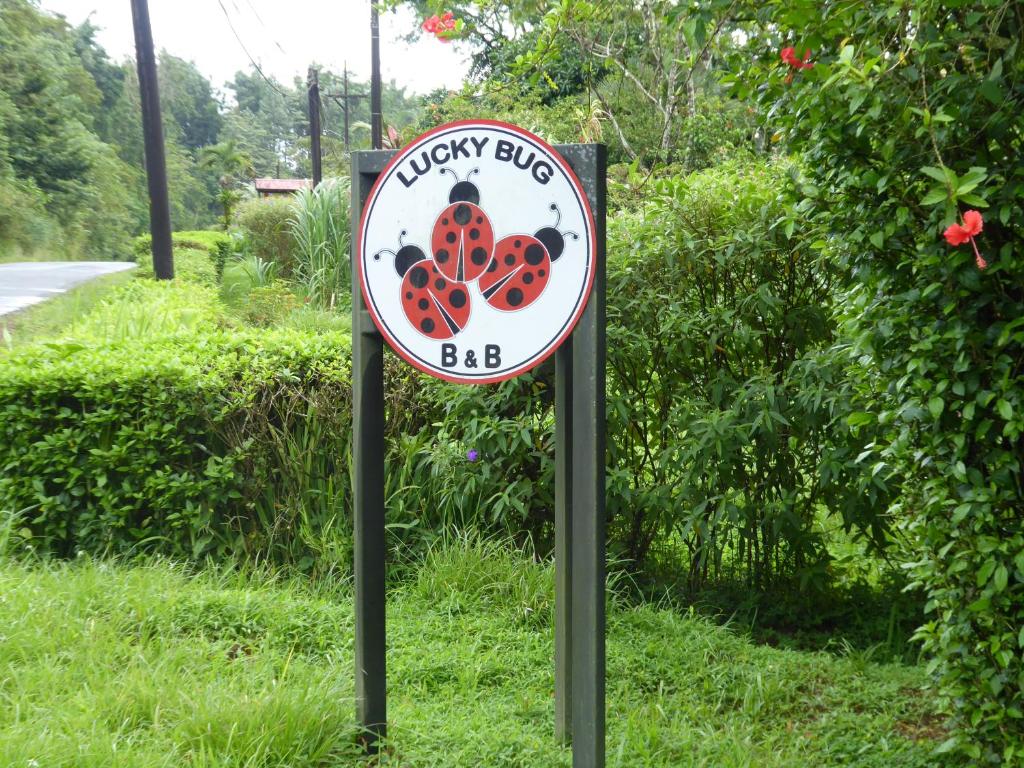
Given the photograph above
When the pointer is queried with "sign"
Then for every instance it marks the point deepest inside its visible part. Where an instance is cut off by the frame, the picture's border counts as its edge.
(476, 252)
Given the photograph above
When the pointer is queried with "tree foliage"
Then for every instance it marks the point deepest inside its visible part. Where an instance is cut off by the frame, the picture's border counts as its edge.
(909, 117)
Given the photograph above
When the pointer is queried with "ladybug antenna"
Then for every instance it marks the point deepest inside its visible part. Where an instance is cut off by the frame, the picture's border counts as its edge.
(377, 255)
(453, 173)
(573, 235)
(558, 213)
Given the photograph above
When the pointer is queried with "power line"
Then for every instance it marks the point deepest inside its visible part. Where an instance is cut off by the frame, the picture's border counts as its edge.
(252, 61)
(262, 24)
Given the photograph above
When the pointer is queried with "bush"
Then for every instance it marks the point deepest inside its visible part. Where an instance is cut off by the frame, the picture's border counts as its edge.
(188, 444)
(265, 226)
(905, 125)
(190, 266)
(269, 304)
(218, 247)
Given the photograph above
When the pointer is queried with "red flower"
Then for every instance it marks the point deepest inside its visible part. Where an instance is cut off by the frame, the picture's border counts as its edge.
(958, 234)
(788, 56)
(439, 26)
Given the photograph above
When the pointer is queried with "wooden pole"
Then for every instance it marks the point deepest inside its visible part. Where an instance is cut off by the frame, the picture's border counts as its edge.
(313, 86)
(153, 135)
(370, 543)
(376, 119)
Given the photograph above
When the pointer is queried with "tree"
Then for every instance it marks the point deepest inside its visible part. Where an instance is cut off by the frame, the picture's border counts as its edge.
(232, 165)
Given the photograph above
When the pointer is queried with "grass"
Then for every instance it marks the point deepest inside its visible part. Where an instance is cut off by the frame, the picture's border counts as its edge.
(148, 665)
(47, 319)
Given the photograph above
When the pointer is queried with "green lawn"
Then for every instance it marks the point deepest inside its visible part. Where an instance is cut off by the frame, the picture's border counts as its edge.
(151, 665)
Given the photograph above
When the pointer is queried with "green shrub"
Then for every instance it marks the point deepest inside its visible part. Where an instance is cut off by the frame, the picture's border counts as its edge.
(148, 310)
(320, 230)
(266, 228)
(910, 121)
(269, 304)
(190, 266)
(186, 444)
(218, 247)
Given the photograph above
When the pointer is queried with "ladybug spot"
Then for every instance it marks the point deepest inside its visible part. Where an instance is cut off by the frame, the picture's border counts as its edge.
(440, 284)
(462, 215)
(408, 295)
(422, 303)
(534, 254)
(493, 265)
(445, 221)
(541, 272)
(479, 219)
(419, 277)
(528, 278)
(478, 256)
(474, 234)
(518, 243)
(441, 255)
(510, 259)
(427, 325)
(514, 297)
(450, 237)
(458, 298)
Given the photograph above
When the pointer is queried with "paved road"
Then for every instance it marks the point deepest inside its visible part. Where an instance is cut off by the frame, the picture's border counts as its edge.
(25, 283)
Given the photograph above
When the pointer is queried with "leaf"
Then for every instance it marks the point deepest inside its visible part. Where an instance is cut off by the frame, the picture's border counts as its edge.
(1005, 409)
(936, 173)
(1000, 578)
(935, 195)
(936, 406)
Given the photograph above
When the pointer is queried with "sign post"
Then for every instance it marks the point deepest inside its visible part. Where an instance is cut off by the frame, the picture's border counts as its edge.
(479, 252)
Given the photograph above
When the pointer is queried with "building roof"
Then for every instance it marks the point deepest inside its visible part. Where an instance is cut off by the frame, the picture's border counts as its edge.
(282, 185)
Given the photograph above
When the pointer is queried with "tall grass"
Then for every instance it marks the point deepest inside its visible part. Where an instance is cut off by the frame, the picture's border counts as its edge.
(320, 229)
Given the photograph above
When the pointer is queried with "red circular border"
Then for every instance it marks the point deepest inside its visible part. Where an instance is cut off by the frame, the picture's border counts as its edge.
(588, 212)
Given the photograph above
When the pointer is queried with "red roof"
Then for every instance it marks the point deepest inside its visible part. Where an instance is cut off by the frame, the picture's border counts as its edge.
(282, 185)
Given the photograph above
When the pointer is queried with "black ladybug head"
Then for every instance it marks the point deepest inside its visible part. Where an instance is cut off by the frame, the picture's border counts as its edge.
(552, 239)
(405, 257)
(464, 190)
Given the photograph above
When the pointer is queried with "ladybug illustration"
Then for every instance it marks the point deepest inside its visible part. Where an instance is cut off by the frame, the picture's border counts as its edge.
(521, 267)
(554, 240)
(463, 239)
(436, 306)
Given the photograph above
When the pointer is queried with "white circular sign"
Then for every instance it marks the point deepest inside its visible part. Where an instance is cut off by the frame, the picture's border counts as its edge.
(476, 251)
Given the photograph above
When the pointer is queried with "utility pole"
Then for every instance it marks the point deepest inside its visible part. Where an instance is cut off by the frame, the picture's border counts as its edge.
(376, 119)
(153, 133)
(313, 86)
(345, 96)
(345, 100)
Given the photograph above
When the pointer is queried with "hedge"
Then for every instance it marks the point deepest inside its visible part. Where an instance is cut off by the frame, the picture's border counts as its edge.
(192, 445)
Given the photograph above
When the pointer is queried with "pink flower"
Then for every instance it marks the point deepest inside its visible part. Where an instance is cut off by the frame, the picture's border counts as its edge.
(431, 24)
(788, 55)
(958, 234)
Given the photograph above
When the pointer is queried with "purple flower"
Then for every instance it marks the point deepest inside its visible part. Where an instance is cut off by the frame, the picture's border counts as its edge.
(472, 454)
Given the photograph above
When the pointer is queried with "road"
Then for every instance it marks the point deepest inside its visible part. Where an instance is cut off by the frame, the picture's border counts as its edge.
(25, 283)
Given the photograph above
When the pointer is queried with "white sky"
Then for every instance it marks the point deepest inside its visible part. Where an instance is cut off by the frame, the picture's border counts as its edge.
(283, 37)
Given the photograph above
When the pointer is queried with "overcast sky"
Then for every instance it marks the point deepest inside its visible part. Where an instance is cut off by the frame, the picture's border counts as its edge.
(284, 37)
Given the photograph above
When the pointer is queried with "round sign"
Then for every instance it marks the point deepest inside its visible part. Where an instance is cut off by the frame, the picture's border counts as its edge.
(476, 251)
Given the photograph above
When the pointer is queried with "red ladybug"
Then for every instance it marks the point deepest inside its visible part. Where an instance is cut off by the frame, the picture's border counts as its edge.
(462, 240)
(436, 306)
(521, 267)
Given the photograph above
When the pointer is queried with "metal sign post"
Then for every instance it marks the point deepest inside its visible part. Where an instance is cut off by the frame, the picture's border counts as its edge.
(579, 501)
